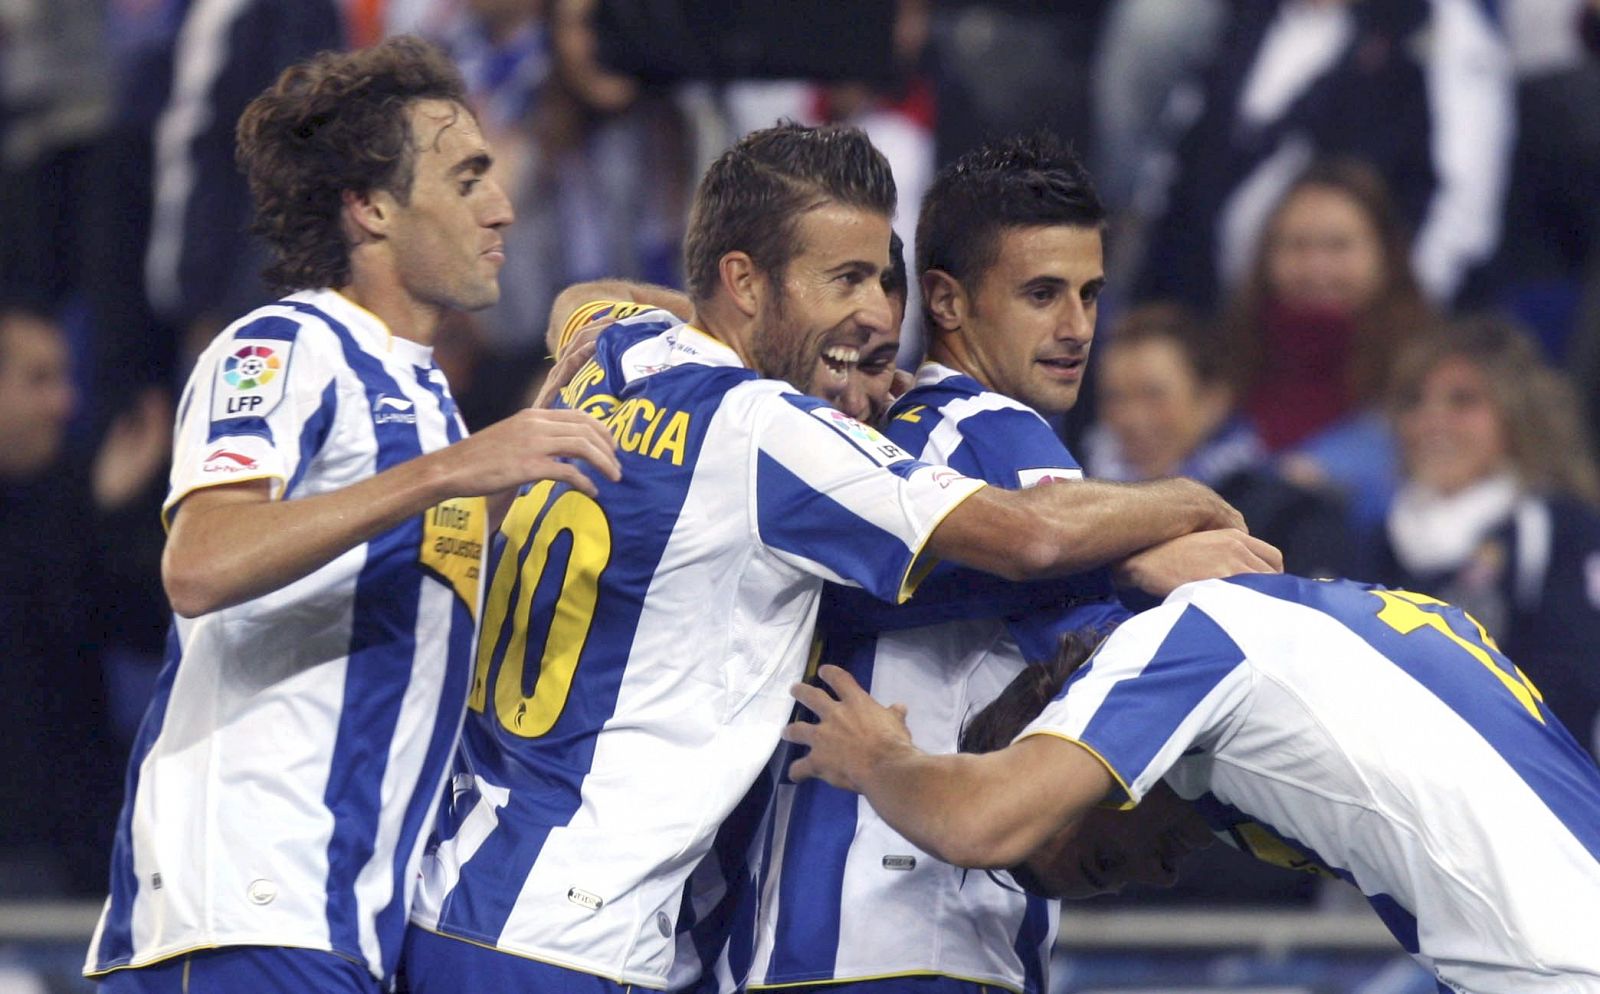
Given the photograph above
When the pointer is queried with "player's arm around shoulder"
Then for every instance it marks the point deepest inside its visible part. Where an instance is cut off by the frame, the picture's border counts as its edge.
(988, 810)
(1068, 527)
(578, 306)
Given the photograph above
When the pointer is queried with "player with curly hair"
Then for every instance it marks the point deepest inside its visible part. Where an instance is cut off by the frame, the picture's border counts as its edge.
(327, 523)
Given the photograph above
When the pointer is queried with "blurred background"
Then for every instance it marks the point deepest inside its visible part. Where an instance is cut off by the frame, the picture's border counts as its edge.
(1354, 284)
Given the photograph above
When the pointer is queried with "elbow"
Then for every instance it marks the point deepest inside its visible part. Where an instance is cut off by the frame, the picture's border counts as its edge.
(189, 589)
(1033, 557)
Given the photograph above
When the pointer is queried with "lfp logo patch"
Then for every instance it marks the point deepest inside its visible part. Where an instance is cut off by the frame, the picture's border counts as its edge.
(250, 367)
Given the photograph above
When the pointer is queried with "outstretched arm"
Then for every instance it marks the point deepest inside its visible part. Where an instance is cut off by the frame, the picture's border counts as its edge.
(978, 810)
(1067, 528)
(571, 300)
(229, 544)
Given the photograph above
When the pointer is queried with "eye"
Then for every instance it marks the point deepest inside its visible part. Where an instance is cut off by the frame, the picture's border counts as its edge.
(852, 278)
(1042, 294)
(468, 185)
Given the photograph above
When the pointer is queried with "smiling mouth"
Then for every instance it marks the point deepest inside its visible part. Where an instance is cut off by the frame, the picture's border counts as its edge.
(840, 359)
(1064, 364)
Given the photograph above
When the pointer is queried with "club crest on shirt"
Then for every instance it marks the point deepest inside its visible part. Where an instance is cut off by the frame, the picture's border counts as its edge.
(250, 380)
(866, 438)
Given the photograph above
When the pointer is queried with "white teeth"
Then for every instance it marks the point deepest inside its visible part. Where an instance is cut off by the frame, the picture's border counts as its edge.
(842, 353)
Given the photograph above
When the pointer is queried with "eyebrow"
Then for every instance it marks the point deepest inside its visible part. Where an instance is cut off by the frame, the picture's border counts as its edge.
(478, 164)
(872, 268)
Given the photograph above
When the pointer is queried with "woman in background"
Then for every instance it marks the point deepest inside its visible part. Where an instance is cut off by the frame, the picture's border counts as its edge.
(1497, 508)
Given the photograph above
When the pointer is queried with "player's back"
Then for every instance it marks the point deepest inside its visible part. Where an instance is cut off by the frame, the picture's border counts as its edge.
(1384, 736)
(636, 650)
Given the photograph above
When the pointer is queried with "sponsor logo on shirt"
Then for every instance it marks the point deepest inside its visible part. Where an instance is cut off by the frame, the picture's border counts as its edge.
(250, 381)
(877, 447)
(389, 410)
(900, 863)
(584, 899)
(223, 461)
(250, 367)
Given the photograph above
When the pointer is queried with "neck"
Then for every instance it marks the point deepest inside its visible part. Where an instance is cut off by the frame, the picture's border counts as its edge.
(727, 325)
(948, 349)
(404, 315)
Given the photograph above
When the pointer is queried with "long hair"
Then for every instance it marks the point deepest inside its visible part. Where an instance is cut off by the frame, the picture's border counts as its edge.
(1026, 695)
(1539, 411)
(338, 121)
(752, 197)
(1397, 314)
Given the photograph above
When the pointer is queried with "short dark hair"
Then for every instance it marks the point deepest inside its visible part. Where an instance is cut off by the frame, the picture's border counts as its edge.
(1018, 182)
(335, 122)
(894, 278)
(752, 196)
(994, 728)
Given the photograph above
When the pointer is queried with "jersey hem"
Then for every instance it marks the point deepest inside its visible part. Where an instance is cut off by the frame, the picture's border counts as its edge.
(1128, 803)
(622, 979)
(1005, 985)
(162, 956)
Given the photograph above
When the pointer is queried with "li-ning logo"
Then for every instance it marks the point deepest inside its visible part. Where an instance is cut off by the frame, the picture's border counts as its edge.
(223, 461)
(393, 409)
(584, 899)
(899, 862)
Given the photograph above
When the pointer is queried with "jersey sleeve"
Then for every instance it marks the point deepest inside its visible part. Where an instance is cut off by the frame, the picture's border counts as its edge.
(252, 397)
(1167, 681)
(597, 310)
(992, 439)
(837, 499)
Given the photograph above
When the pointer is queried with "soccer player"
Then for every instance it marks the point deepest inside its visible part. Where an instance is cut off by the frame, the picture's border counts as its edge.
(1378, 735)
(1009, 240)
(634, 646)
(327, 523)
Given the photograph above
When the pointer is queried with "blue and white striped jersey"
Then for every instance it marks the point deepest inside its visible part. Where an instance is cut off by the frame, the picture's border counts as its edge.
(297, 743)
(633, 668)
(1378, 734)
(842, 895)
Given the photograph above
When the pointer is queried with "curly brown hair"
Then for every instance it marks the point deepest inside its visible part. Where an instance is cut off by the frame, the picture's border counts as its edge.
(335, 122)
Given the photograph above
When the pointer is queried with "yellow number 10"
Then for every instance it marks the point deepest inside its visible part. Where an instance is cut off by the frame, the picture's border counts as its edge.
(1403, 611)
(532, 715)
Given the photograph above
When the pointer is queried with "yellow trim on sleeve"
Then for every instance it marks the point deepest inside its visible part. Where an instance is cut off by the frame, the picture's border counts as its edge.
(581, 317)
(274, 493)
(923, 563)
(1122, 785)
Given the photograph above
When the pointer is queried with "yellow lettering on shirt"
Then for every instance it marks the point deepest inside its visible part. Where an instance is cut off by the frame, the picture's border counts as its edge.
(452, 545)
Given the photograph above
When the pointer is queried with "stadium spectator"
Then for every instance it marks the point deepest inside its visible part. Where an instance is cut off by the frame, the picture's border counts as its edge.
(1497, 511)
(1420, 89)
(739, 497)
(61, 760)
(1346, 729)
(327, 523)
(1313, 331)
(1167, 408)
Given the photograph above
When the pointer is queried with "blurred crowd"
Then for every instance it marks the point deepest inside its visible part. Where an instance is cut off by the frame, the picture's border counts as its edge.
(1354, 278)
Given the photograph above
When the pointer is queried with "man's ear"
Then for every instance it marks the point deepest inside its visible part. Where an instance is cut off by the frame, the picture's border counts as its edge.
(368, 213)
(744, 283)
(945, 300)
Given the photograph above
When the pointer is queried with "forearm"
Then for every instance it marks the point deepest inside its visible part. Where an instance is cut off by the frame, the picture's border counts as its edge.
(231, 544)
(954, 808)
(1071, 527)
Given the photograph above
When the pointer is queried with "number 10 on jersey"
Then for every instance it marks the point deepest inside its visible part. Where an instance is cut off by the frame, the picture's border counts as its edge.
(534, 523)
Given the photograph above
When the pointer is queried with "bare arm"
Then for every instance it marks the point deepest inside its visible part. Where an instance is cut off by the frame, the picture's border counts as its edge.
(986, 810)
(1069, 527)
(229, 544)
(569, 301)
